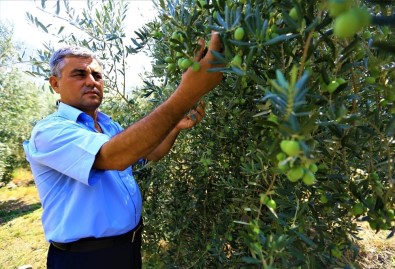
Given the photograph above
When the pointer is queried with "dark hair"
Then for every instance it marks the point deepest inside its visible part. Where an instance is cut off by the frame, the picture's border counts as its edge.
(56, 63)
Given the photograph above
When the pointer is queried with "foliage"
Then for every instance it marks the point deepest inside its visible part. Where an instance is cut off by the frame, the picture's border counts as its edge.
(21, 103)
(288, 78)
(7, 48)
(297, 145)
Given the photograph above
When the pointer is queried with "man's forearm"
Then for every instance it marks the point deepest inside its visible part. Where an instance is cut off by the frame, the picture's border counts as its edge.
(163, 148)
(141, 138)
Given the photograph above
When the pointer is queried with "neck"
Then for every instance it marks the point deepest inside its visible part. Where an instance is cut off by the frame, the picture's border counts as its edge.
(94, 116)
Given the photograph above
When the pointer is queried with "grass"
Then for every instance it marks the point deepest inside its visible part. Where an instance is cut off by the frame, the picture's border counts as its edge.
(22, 238)
(23, 243)
(376, 250)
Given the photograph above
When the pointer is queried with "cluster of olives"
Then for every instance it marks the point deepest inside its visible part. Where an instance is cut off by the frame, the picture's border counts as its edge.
(182, 60)
(348, 20)
(293, 166)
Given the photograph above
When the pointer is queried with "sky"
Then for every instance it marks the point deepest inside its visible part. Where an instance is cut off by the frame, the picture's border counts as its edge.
(14, 12)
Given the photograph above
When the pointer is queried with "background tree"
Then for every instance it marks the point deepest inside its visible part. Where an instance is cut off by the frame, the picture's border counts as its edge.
(21, 103)
(297, 145)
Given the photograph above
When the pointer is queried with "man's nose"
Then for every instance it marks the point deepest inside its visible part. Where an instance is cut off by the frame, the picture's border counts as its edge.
(90, 80)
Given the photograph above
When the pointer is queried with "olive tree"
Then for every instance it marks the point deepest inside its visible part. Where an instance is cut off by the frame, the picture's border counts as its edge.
(297, 145)
(21, 103)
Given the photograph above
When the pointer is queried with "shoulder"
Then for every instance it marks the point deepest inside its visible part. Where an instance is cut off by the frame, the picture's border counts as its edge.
(55, 120)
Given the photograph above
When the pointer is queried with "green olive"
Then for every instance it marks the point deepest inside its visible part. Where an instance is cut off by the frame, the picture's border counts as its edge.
(185, 63)
(237, 60)
(271, 203)
(281, 156)
(357, 209)
(350, 22)
(195, 66)
(168, 59)
(370, 80)
(337, 7)
(332, 86)
(313, 168)
(295, 173)
(263, 198)
(171, 67)
(293, 13)
(390, 214)
(308, 178)
(239, 33)
(290, 147)
(323, 198)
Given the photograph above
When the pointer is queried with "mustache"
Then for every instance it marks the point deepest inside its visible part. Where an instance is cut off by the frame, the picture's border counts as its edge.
(91, 90)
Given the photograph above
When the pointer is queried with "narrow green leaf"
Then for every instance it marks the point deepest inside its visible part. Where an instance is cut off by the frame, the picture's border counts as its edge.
(241, 222)
(307, 240)
(57, 7)
(256, 78)
(140, 35)
(136, 43)
(221, 21)
(242, 43)
(281, 79)
(238, 71)
(251, 260)
(302, 81)
(237, 19)
(280, 38)
(218, 57)
(39, 24)
(60, 29)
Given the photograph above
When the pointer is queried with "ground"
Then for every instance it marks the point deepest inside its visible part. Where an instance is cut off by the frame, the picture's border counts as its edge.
(22, 239)
(376, 250)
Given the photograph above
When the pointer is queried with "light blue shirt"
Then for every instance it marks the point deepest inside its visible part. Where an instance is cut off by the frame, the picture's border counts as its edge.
(79, 201)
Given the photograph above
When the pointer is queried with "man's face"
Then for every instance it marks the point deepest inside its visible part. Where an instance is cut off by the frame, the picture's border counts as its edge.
(81, 84)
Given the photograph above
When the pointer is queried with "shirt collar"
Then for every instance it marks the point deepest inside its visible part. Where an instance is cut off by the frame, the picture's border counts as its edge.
(73, 113)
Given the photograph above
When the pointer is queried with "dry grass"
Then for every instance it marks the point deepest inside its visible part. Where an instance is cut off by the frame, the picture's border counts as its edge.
(377, 252)
(22, 177)
(22, 239)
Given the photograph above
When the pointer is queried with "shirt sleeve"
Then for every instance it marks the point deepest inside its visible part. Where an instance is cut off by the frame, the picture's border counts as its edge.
(67, 148)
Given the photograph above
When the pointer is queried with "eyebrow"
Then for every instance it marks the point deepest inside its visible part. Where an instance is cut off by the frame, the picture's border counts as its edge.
(83, 71)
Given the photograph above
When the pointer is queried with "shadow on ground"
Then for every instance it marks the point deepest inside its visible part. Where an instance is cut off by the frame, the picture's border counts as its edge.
(15, 208)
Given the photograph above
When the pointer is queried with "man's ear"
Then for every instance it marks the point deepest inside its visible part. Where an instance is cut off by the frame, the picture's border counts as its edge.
(53, 81)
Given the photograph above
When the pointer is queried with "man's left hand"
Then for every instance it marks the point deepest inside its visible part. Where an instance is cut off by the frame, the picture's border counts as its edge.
(194, 116)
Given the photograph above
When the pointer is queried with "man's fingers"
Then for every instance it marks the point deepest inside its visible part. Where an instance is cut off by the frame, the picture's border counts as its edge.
(201, 108)
(197, 114)
(201, 51)
(215, 44)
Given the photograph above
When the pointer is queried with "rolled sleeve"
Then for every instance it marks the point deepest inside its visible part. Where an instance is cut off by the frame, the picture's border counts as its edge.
(67, 148)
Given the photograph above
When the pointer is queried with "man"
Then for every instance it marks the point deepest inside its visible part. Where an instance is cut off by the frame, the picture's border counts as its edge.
(81, 161)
